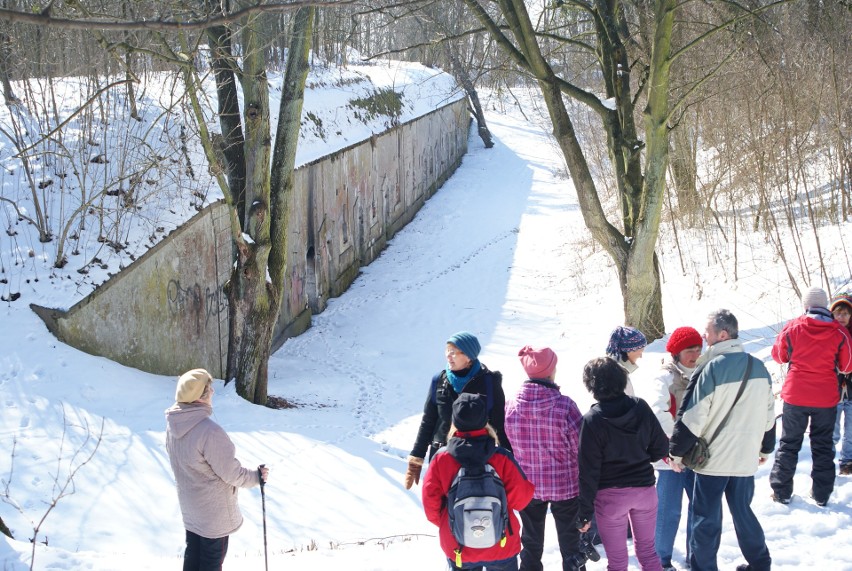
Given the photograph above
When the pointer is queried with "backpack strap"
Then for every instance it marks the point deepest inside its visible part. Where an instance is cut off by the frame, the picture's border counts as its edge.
(489, 389)
(433, 389)
(739, 394)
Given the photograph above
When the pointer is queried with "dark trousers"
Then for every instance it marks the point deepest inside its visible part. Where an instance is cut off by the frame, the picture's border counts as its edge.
(794, 422)
(505, 565)
(707, 522)
(203, 554)
(532, 536)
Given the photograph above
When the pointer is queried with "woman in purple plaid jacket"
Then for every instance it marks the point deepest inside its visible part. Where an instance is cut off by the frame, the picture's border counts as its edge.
(543, 426)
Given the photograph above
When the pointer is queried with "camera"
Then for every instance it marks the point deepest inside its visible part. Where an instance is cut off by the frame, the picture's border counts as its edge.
(587, 552)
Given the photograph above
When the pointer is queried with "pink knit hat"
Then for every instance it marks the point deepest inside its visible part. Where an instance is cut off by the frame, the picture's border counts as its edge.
(538, 363)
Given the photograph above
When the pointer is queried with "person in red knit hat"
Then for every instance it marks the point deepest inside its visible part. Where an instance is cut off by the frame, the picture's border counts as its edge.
(665, 395)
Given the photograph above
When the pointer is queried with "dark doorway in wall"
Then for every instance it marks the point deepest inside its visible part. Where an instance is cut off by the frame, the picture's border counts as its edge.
(311, 281)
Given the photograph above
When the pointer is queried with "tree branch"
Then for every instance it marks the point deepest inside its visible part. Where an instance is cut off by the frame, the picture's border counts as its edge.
(59, 127)
(679, 103)
(724, 26)
(44, 19)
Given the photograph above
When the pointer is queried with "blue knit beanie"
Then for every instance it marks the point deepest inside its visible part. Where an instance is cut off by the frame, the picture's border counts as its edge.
(625, 340)
(468, 344)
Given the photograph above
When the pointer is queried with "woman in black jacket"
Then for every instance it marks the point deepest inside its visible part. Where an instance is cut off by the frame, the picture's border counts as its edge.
(464, 373)
(619, 439)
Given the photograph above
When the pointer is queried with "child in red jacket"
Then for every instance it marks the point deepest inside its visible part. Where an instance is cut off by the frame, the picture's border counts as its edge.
(472, 442)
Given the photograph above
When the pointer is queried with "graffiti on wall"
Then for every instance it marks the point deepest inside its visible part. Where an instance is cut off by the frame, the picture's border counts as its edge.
(182, 300)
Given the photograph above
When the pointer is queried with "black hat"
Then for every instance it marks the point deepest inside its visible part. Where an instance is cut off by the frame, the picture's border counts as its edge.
(469, 412)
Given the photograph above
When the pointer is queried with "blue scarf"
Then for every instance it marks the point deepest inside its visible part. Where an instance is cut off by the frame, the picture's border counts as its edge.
(460, 382)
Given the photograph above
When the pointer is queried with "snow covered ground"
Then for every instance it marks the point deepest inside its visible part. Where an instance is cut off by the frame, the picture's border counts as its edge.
(500, 251)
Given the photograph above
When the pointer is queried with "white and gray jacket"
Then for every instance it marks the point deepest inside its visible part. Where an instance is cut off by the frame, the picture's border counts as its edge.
(749, 432)
(671, 380)
(206, 472)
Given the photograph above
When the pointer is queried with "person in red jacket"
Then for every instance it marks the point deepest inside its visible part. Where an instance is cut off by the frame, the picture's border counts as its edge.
(472, 442)
(817, 347)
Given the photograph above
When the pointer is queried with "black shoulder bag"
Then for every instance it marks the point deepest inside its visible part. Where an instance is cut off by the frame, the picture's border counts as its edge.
(699, 454)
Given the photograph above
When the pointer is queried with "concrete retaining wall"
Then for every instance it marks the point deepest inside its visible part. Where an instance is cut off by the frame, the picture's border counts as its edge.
(167, 313)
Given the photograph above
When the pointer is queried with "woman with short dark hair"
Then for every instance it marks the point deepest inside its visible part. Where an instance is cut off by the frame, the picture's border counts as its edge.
(619, 439)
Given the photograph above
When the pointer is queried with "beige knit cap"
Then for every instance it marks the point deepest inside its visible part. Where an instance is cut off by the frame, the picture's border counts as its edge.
(191, 385)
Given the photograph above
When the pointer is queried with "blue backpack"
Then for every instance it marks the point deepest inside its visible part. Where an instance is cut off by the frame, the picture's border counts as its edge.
(478, 509)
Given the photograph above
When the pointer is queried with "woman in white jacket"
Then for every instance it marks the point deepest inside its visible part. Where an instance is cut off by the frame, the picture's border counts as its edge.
(207, 474)
(665, 397)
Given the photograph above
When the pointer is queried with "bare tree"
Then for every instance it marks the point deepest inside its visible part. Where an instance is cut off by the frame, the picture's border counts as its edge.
(5, 65)
(630, 46)
(774, 115)
(257, 183)
(439, 34)
(67, 468)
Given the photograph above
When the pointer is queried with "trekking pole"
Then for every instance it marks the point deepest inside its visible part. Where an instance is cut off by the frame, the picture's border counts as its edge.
(263, 503)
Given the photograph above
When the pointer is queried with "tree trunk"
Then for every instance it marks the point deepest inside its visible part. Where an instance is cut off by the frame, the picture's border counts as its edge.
(684, 168)
(5, 60)
(254, 301)
(252, 310)
(641, 197)
(231, 143)
(287, 137)
(463, 77)
(643, 300)
(131, 92)
(625, 148)
(251, 297)
(4, 529)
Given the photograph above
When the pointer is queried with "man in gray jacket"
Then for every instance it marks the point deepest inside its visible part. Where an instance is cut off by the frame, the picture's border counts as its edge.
(207, 474)
(728, 402)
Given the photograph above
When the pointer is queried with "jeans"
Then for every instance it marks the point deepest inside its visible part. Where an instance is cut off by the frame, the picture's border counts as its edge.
(203, 554)
(614, 509)
(794, 422)
(707, 522)
(532, 535)
(670, 488)
(844, 409)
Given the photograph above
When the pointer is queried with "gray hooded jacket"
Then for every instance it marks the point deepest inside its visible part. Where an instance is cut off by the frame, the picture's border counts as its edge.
(206, 472)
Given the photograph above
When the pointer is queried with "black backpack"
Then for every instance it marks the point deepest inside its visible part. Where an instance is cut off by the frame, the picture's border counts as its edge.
(477, 506)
